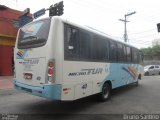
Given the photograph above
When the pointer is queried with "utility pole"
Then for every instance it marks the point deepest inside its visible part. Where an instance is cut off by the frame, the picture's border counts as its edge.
(125, 25)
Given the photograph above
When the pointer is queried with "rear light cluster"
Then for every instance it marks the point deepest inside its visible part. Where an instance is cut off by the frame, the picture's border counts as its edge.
(51, 71)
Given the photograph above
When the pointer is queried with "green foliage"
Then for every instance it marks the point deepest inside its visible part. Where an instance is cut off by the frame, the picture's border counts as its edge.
(152, 51)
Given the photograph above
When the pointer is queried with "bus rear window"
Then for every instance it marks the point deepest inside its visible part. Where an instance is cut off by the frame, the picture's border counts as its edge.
(34, 34)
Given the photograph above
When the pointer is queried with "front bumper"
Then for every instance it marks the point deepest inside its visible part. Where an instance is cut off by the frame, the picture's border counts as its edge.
(52, 92)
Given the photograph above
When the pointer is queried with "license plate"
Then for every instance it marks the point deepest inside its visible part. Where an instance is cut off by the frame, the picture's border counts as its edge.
(27, 76)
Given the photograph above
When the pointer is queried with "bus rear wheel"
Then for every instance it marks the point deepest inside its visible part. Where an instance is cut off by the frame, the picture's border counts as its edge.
(106, 92)
(137, 83)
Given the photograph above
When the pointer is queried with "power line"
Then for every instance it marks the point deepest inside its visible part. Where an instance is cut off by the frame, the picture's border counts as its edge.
(141, 42)
(94, 7)
(143, 31)
(144, 36)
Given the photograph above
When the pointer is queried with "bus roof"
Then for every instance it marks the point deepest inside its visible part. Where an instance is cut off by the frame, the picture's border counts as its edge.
(88, 28)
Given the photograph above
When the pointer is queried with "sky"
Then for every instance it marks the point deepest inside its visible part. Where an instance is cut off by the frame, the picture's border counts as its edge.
(104, 16)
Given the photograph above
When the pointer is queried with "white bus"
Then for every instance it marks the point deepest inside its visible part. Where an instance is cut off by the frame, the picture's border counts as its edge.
(60, 60)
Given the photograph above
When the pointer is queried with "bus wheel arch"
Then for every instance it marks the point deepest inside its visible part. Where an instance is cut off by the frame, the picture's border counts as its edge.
(105, 93)
(139, 78)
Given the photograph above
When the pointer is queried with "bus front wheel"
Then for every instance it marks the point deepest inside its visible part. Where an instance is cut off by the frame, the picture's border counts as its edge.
(106, 92)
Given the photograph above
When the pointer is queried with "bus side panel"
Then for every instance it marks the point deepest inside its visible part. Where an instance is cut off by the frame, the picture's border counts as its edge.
(122, 74)
(82, 79)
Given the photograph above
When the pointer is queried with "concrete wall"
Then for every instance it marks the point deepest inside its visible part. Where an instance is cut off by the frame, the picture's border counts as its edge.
(151, 60)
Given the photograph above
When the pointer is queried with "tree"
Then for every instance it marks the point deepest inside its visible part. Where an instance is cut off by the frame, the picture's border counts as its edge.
(152, 51)
(156, 50)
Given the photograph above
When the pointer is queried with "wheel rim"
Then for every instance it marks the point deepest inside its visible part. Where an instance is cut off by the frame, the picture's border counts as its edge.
(105, 92)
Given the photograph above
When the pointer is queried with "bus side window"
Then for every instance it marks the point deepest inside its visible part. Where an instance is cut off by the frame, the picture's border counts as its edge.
(113, 52)
(129, 57)
(125, 53)
(140, 57)
(71, 42)
(120, 51)
(85, 45)
(100, 49)
(134, 55)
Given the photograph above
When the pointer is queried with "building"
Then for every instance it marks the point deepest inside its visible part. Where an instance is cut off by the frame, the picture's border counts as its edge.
(8, 31)
(156, 42)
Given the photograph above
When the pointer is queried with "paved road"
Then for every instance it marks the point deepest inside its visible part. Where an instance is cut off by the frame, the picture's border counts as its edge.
(144, 99)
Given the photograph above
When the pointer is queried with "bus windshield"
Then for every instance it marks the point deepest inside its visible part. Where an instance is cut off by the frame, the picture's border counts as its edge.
(34, 34)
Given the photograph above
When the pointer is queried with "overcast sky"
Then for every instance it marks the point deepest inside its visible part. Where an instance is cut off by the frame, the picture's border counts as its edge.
(104, 15)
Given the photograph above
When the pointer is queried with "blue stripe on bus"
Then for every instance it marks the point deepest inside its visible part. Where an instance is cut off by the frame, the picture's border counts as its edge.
(118, 74)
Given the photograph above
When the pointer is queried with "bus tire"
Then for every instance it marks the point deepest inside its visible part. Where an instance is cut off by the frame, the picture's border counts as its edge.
(106, 92)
